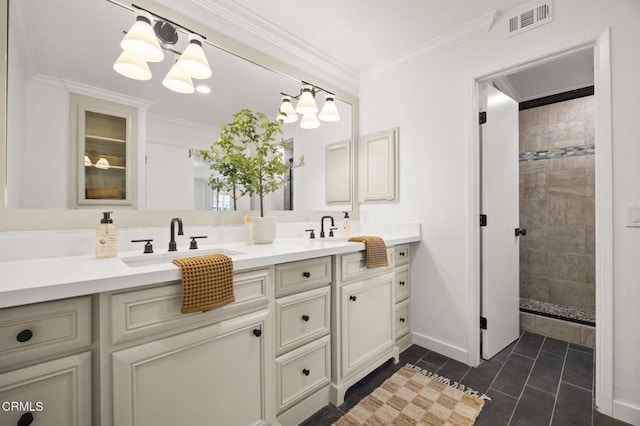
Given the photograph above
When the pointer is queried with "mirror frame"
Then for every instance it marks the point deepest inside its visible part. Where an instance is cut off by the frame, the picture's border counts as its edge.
(46, 219)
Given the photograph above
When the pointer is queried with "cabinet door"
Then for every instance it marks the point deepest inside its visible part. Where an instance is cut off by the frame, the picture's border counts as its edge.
(51, 393)
(378, 166)
(211, 375)
(367, 315)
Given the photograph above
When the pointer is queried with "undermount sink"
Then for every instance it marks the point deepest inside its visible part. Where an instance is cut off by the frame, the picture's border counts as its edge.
(167, 257)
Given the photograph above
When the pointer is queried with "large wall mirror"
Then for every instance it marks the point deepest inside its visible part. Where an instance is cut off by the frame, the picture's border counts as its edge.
(57, 49)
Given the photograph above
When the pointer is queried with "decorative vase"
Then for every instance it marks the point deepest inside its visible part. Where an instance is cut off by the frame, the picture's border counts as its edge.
(263, 230)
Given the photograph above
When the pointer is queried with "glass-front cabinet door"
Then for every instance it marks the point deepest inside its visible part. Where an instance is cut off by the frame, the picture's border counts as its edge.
(105, 149)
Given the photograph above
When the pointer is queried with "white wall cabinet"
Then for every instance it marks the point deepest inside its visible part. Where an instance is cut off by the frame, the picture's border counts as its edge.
(215, 374)
(378, 166)
(338, 172)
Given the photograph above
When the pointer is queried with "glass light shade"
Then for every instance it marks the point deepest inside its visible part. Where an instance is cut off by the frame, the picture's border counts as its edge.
(141, 41)
(87, 161)
(306, 104)
(102, 163)
(309, 121)
(329, 111)
(287, 113)
(193, 60)
(178, 81)
(132, 67)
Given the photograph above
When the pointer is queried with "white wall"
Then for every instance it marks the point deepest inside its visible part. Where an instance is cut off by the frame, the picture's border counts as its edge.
(429, 99)
(16, 127)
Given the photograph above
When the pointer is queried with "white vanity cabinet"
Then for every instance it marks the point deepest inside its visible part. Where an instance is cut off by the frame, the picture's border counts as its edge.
(45, 363)
(402, 286)
(363, 333)
(303, 344)
(160, 367)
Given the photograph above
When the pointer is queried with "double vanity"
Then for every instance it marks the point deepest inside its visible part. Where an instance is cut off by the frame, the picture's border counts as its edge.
(106, 344)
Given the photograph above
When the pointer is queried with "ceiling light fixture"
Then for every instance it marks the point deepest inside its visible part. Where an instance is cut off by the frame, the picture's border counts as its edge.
(308, 108)
(144, 43)
(102, 163)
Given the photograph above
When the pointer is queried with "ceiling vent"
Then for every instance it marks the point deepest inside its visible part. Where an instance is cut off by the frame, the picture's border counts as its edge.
(528, 17)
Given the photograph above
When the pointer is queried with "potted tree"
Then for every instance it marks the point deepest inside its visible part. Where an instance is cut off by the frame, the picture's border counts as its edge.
(249, 154)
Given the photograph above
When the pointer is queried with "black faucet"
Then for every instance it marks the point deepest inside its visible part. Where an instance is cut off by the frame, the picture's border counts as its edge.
(172, 243)
(322, 224)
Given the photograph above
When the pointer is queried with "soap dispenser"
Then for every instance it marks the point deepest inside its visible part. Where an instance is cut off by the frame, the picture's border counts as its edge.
(346, 224)
(106, 237)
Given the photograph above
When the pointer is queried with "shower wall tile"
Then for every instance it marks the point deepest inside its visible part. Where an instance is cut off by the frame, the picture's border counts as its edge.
(590, 189)
(561, 330)
(534, 116)
(534, 212)
(567, 267)
(534, 166)
(534, 287)
(589, 211)
(590, 161)
(535, 239)
(533, 268)
(566, 134)
(590, 269)
(533, 186)
(534, 138)
(566, 184)
(567, 111)
(588, 336)
(566, 211)
(571, 293)
(590, 239)
(566, 239)
(567, 163)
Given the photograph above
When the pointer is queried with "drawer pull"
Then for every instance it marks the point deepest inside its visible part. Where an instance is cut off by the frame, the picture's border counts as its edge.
(306, 274)
(257, 332)
(25, 420)
(401, 253)
(352, 298)
(306, 372)
(401, 282)
(305, 318)
(401, 319)
(24, 336)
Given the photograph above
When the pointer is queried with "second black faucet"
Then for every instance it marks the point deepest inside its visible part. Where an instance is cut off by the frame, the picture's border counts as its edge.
(322, 225)
(172, 244)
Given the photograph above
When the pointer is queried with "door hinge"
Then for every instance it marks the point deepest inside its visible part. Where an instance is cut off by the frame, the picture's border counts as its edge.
(483, 220)
(483, 323)
(483, 117)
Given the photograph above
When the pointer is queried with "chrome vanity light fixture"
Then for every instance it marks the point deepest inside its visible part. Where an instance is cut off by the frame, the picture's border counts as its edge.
(144, 43)
(308, 108)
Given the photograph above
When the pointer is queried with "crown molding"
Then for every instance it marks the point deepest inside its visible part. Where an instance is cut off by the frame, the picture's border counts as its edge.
(264, 29)
(107, 95)
(443, 42)
(182, 122)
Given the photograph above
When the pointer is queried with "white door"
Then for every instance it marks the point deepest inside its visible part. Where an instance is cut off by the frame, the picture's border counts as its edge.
(500, 202)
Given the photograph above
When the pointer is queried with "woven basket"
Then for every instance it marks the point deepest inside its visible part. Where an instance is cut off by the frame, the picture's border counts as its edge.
(109, 193)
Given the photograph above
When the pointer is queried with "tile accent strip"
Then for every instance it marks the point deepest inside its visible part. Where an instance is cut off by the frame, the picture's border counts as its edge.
(573, 151)
(567, 313)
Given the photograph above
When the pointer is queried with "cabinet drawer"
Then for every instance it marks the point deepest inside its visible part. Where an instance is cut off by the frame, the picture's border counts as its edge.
(140, 313)
(302, 317)
(295, 277)
(302, 371)
(57, 392)
(44, 329)
(403, 318)
(402, 254)
(402, 282)
(354, 266)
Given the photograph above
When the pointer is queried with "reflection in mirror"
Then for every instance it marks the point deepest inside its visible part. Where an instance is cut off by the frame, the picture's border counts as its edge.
(69, 46)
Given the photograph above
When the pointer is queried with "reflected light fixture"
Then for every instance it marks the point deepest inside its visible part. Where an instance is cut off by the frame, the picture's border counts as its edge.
(102, 163)
(287, 114)
(201, 88)
(309, 121)
(87, 161)
(306, 103)
(329, 111)
(141, 41)
(308, 108)
(132, 67)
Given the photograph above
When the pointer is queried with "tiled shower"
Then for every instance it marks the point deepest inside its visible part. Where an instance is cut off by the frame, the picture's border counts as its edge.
(557, 194)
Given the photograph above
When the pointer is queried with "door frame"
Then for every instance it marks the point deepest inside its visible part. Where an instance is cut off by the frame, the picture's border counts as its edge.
(604, 209)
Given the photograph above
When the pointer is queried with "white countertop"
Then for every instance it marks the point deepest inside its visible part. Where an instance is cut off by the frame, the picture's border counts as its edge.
(38, 280)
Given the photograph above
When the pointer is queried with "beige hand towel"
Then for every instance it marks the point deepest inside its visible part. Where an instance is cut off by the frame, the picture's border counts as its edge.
(207, 282)
(376, 250)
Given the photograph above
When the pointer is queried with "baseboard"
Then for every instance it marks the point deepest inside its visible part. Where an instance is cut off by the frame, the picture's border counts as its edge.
(440, 347)
(305, 408)
(626, 412)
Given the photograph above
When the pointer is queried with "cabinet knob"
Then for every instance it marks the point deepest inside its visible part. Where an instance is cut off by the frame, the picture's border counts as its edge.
(305, 318)
(24, 336)
(401, 319)
(401, 253)
(257, 332)
(352, 298)
(401, 282)
(25, 420)
(306, 274)
(305, 372)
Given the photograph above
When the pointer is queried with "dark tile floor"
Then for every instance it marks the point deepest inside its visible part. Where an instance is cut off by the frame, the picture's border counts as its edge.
(535, 381)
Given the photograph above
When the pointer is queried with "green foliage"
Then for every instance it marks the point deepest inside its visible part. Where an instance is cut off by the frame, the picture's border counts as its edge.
(247, 157)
